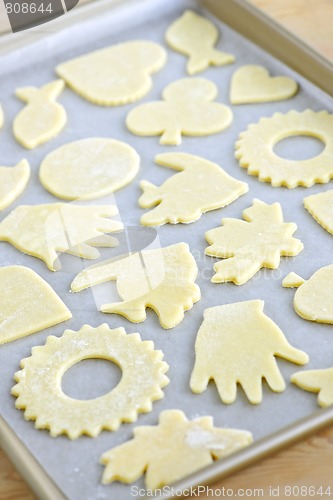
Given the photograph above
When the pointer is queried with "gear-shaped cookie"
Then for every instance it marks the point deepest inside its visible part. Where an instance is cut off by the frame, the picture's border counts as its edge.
(254, 149)
(38, 388)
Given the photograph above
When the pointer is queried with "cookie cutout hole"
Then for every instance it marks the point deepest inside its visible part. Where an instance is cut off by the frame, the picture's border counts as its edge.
(299, 147)
(90, 379)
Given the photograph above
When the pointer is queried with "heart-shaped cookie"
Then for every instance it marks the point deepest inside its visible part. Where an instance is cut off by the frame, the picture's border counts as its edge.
(253, 83)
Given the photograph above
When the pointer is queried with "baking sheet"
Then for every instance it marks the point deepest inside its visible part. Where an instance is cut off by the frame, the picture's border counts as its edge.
(74, 465)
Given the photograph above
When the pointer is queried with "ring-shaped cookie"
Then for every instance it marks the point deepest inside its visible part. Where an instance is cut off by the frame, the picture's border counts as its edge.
(39, 390)
(254, 149)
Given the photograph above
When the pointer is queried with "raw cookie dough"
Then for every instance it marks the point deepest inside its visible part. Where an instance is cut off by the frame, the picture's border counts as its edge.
(320, 207)
(114, 75)
(236, 343)
(254, 149)
(186, 109)
(200, 186)
(38, 389)
(314, 298)
(171, 450)
(44, 230)
(13, 181)
(320, 381)
(27, 304)
(292, 280)
(162, 279)
(246, 247)
(89, 168)
(195, 36)
(42, 118)
(252, 83)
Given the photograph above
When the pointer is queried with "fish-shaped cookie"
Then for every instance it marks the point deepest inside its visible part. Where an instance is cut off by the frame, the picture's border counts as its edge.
(195, 36)
(42, 118)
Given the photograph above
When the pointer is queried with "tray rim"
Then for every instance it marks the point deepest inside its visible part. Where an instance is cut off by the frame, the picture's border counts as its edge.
(298, 55)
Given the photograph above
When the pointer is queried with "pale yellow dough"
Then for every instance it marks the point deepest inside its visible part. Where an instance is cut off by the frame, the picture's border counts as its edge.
(27, 304)
(38, 389)
(254, 149)
(89, 168)
(114, 75)
(320, 381)
(186, 109)
(292, 280)
(162, 279)
(314, 298)
(195, 36)
(320, 207)
(236, 343)
(200, 186)
(252, 83)
(171, 450)
(42, 118)
(249, 245)
(13, 181)
(44, 230)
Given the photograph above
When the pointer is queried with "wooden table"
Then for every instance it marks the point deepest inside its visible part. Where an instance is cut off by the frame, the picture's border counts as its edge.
(310, 462)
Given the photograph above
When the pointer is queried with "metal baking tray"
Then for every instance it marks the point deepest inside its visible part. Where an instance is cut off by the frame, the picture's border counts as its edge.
(58, 468)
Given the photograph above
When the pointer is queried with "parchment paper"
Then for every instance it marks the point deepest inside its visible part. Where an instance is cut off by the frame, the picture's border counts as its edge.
(74, 466)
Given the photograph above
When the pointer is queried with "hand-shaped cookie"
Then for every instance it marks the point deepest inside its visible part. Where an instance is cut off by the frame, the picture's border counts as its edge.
(320, 381)
(249, 246)
(186, 109)
(200, 186)
(236, 343)
(173, 449)
(161, 279)
(44, 230)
